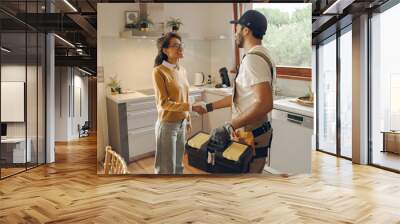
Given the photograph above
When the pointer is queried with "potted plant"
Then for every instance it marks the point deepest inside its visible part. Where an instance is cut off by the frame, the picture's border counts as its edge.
(115, 86)
(174, 23)
(307, 100)
(144, 23)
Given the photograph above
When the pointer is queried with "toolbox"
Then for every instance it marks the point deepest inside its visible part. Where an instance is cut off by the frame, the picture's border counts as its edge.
(230, 157)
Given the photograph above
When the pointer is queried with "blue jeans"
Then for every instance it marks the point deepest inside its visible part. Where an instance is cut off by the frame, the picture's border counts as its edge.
(170, 147)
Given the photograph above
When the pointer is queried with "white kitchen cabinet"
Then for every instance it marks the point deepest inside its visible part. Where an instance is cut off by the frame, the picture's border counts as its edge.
(197, 124)
(139, 106)
(218, 117)
(142, 142)
(291, 143)
(141, 120)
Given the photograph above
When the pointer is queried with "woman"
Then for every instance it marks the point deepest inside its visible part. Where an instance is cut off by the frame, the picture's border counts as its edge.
(172, 93)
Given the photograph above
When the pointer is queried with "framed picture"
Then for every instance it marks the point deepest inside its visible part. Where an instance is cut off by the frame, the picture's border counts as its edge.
(131, 17)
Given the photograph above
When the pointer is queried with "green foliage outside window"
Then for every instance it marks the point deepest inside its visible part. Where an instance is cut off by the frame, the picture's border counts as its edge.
(288, 38)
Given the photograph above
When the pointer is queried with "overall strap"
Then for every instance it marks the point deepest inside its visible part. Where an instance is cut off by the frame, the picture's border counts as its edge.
(266, 59)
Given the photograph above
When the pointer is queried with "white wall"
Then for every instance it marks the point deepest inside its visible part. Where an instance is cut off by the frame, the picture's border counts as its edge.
(79, 117)
(66, 120)
(199, 19)
(220, 57)
(33, 127)
(61, 103)
(295, 88)
(132, 59)
(12, 73)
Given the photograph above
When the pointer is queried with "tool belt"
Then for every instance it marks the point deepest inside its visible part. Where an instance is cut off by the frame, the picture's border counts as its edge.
(263, 129)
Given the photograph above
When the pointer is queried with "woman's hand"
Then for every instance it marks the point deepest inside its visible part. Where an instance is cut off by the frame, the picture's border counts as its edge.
(199, 109)
(188, 129)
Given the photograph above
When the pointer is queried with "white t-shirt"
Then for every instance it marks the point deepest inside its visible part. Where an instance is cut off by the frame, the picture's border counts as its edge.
(253, 70)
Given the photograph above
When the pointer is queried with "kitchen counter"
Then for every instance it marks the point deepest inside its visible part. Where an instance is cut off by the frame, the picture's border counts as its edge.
(148, 94)
(280, 102)
(285, 104)
(218, 91)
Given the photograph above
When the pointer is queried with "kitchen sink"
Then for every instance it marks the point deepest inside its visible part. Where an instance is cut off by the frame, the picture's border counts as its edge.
(148, 92)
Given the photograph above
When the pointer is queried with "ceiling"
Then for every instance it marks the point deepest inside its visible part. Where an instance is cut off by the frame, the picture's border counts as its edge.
(76, 22)
(332, 15)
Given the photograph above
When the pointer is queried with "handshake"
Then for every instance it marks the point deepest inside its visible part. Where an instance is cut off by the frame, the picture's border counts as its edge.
(200, 107)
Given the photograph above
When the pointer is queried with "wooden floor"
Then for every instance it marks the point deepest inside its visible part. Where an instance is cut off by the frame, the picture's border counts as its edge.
(8, 171)
(5, 172)
(146, 166)
(69, 191)
(387, 159)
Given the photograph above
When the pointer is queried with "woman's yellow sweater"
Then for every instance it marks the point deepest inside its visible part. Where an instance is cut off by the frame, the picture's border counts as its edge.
(171, 92)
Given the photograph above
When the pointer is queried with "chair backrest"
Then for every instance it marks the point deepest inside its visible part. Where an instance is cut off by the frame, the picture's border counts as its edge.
(114, 163)
(86, 125)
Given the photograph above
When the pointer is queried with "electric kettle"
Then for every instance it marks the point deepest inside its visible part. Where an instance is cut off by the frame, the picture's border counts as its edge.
(199, 79)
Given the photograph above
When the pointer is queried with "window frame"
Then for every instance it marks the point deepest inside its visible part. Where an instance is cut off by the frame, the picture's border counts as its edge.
(294, 73)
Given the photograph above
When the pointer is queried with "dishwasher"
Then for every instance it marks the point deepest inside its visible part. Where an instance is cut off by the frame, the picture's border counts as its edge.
(291, 147)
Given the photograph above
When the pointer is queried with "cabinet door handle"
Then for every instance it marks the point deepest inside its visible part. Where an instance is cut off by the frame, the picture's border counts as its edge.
(294, 121)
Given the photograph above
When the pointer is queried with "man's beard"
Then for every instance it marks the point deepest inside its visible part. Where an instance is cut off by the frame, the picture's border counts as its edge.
(240, 40)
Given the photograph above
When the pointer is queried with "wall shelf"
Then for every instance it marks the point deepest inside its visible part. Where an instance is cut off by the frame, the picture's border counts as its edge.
(136, 34)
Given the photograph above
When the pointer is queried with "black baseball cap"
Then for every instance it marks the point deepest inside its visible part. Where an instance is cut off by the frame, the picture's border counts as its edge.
(255, 21)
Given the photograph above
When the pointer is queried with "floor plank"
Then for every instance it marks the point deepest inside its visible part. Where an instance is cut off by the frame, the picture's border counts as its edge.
(69, 191)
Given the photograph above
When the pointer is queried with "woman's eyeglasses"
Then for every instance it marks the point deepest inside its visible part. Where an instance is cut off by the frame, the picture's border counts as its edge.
(177, 46)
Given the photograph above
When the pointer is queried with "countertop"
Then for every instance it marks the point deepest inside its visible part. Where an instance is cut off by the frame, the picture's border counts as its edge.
(280, 102)
(286, 104)
(137, 96)
(219, 91)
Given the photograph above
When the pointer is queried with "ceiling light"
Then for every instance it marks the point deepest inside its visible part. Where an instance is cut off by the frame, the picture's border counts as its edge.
(64, 40)
(86, 72)
(338, 6)
(70, 5)
(5, 50)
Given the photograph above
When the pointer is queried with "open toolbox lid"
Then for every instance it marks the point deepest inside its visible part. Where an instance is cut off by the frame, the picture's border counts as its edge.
(232, 151)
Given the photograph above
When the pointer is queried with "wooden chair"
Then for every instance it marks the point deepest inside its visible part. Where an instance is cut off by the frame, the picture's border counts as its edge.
(114, 163)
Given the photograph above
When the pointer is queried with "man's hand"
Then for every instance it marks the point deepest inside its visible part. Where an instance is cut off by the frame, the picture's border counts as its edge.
(245, 138)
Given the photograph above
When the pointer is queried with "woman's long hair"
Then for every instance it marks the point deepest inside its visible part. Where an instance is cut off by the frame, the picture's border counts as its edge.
(163, 42)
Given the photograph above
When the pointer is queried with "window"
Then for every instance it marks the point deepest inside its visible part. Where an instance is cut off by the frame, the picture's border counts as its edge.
(22, 75)
(334, 99)
(327, 96)
(385, 89)
(346, 92)
(288, 38)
